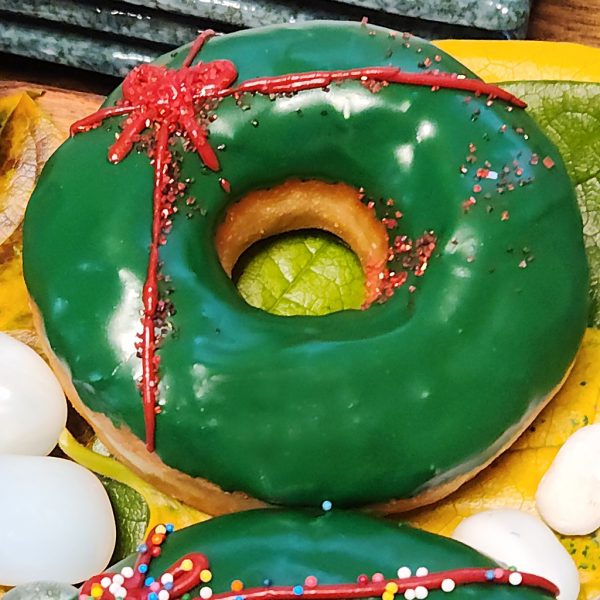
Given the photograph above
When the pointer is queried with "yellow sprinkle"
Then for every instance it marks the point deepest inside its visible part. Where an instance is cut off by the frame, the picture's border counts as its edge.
(391, 586)
(387, 596)
(161, 529)
(205, 575)
(97, 590)
(187, 565)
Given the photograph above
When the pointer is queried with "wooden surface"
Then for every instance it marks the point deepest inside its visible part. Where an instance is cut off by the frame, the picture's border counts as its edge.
(566, 21)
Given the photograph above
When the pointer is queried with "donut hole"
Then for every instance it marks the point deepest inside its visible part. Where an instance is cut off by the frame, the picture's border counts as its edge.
(300, 206)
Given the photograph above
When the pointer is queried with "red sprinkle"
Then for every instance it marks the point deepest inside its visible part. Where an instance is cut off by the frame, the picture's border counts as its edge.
(224, 183)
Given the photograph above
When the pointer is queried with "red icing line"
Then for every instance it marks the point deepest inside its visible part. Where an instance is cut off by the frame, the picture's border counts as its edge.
(186, 576)
(165, 101)
(183, 578)
(315, 79)
(149, 384)
(197, 46)
(431, 581)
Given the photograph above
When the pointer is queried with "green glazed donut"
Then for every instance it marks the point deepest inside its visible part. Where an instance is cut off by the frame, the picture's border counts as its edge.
(285, 555)
(402, 401)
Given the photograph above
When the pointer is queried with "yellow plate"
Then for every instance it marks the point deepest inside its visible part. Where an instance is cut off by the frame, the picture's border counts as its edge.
(497, 60)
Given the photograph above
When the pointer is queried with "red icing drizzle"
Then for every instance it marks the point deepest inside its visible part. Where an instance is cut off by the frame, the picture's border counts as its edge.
(185, 574)
(166, 101)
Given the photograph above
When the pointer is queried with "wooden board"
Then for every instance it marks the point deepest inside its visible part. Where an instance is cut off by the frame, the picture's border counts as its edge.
(566, 21)
(62, 106)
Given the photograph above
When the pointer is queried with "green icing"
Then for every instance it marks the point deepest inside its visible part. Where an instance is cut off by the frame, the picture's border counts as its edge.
(335, 547)
(354, 406)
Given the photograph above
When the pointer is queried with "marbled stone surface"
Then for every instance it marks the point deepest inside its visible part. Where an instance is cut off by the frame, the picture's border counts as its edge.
(131, 22)
(112, 36)
(74, 49)
(484, 14)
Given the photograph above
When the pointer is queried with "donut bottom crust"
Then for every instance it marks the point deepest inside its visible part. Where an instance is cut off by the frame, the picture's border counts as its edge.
(207, 496)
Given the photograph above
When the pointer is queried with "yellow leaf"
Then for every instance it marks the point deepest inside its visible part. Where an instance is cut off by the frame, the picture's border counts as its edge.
(14, 306)
(27, 139)
(499, 60)
(162, 508)
(7, 106)
(513, 479)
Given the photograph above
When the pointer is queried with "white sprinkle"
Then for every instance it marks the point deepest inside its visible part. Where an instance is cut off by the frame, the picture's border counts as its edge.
(118, 578)
(127, 572)
(404, 573)
(492, 175)
(410, 594)
(421, 592)
(113, 588)
(515, 578)
(163, 595)
(421, 571)
(105, 582)
(205, 592)
(448, 585)
(166, 578)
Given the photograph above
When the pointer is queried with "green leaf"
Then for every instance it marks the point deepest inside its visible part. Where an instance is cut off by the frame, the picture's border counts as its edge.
(131, 516)
(302, 273)
(569, 113)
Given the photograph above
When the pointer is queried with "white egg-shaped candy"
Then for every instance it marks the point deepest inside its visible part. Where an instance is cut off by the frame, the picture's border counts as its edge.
(568, 497)
(33, 409)
(42, 590)
(514, 538)
(57, 521)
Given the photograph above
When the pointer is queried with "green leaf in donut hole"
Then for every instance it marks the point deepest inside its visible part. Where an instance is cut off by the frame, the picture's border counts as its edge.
(569, 113)
(301, 273)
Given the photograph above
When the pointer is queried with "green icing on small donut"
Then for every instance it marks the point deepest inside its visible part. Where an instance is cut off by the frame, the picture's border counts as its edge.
(357, 406)
(275, 548)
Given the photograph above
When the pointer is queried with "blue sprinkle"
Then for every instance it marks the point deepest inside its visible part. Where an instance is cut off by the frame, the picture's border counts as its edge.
(298, 590)
(149, 581)
(168, 586)
(143, 568)
(489, 575)
(327, 505)
(170, 527)
(152, 596)
(238, 598)
(267, 582)
(142, 548)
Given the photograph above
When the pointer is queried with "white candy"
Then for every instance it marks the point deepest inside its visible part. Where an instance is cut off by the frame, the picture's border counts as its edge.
(33, 410)
(42, 590)
(56, 521)
(568, 497)
(514, 538)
